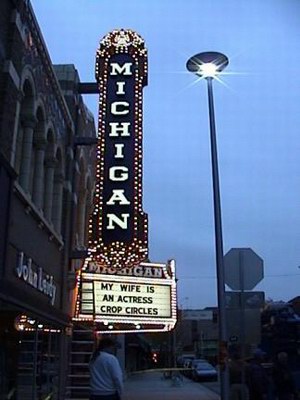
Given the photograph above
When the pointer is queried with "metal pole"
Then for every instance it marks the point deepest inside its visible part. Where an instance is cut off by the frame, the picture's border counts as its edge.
(174, 345)
(218, 237)
(35, 361)
(242, 318)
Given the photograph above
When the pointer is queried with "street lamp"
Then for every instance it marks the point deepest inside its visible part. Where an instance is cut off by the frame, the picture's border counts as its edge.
(208, 65)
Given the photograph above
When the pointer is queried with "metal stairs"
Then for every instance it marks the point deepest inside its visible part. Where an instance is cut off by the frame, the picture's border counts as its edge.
(82, 346)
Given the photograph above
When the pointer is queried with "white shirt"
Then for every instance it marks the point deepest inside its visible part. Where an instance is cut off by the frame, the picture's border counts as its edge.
(106, 376)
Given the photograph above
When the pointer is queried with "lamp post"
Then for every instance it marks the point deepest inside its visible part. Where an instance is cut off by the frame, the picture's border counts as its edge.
(208, 65)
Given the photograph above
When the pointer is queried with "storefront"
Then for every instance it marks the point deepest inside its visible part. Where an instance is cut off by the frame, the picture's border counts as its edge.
(30, 357)
(33, 325)
(46, 181)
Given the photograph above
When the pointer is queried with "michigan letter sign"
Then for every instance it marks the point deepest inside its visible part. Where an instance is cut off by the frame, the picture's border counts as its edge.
(119, 233)
(117, 284)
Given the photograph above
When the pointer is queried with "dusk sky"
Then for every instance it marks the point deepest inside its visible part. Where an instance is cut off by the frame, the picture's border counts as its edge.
(258, 127)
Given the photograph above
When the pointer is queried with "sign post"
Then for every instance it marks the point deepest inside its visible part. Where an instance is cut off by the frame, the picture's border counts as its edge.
(243, 271)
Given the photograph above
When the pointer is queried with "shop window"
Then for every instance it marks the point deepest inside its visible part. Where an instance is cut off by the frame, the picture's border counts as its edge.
(38, 362)
(36, 187)
(81, 206)
(57, 196)
(49, 165)
(25, 136)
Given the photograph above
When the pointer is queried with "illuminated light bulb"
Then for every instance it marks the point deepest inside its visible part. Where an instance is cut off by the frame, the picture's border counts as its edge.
(208, 70)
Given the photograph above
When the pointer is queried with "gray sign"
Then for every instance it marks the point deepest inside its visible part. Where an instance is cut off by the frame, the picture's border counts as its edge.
(244, 300)
(249, 333)
(197, 315)
(243, 269)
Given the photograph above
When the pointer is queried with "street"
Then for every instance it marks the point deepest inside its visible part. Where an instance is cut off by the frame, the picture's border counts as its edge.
(152, 385)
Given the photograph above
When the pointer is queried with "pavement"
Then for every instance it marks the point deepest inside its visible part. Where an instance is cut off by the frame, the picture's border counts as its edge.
(213, 386)
(151, 385)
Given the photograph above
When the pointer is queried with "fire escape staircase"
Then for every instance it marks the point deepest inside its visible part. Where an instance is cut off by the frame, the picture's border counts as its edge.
(82, 346)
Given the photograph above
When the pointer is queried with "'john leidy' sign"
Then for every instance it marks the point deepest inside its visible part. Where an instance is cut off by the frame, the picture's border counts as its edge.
(126, 299)
(35, 277)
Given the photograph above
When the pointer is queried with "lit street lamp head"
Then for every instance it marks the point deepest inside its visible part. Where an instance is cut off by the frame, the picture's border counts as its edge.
(208, 64)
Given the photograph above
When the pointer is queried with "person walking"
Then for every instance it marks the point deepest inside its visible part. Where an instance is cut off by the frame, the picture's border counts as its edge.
(257, 378)
(106, 377)
(284, 384)
(237, 378)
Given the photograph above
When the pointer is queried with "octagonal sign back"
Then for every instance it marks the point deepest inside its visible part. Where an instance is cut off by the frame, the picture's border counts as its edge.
(243, 268)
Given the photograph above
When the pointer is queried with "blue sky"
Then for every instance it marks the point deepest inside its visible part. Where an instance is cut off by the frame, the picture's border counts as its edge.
(258, 127)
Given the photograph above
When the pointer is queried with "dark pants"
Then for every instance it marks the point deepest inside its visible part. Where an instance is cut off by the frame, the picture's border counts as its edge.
(286, 396)
(105, 397)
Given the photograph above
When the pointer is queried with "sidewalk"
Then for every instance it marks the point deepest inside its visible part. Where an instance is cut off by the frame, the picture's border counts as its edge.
(151, 385)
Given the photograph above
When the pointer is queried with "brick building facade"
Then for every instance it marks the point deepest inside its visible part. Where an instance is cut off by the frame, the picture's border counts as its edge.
(47, 180)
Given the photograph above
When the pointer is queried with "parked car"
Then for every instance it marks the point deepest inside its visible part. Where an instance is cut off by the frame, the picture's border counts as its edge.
(203, 371)
(196, 361)
(190, 365)
(182, 359)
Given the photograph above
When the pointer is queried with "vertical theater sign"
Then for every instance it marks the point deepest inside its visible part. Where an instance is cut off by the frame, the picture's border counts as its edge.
(119, 290)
